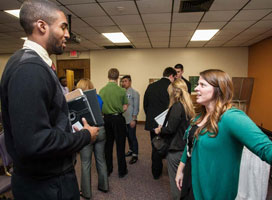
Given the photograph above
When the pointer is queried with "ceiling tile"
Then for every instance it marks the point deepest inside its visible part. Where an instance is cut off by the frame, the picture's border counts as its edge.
(158, 33)
(101, 1)
(139, 40)
(238, 25)
(154, 6)
(157, 27)
(196, 44)
(107, 29)
(268, 17)
(184, 26)
(180, 39)
(78, 23)
(233, 43)
(216, 43)
(228, 5)
(7, 18)
(160, 45)
(99, 21)
(132, 28)
(87, 10)
(181, 33)
(9, 5)
(211, 25)
(68, 2)
(178, 44)
(259, 4)
(187, 17)
(127, 19)
(247, 15)
(218, 16)
(120, 8)
(4, 28)
(136, 35)
(156, 18)
(263, 25)
(88, 30)
(159, 39)
(142, 45)
(16, 26)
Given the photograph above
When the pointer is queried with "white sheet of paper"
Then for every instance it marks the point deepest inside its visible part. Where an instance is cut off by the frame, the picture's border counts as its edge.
(78, 125)
(161, 117)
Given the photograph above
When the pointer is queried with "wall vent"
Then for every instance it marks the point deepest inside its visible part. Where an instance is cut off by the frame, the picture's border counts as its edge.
(119, 47)
(195, 5)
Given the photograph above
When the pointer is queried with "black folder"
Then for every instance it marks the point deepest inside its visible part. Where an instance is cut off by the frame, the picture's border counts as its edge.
(95, 108)
(79, 108)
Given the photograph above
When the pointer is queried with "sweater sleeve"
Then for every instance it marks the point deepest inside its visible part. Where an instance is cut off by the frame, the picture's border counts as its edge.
(30, 92)
(174, 120)
(247, 133)
(136, 101)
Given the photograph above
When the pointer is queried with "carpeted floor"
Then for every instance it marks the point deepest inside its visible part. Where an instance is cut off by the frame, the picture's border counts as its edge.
(138, 184)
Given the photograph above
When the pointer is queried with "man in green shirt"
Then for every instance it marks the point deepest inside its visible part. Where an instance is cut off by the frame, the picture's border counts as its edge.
(115, 102)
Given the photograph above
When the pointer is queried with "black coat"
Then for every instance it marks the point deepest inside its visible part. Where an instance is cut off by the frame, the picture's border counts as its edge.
(188, 84)
(176, 125)
(156, 100)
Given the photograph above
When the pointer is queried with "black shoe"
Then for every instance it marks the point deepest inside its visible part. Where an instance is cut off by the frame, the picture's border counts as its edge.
(123, 175)
(129, 153)
(156, 177)
(133, 160)
(109, 173)
(105, 191)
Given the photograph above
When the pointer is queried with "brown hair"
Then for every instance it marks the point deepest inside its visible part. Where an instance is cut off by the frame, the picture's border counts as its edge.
(223, 93)
(113, 74)
(85, 84)
(178, 92)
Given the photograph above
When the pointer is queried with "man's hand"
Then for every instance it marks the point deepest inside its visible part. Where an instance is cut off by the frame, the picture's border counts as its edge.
(92, 129)
(158, 129)
(132, 124)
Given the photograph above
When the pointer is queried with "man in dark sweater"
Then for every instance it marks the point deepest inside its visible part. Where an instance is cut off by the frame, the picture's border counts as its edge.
(156, 100)
(38, 133)
(179, 69)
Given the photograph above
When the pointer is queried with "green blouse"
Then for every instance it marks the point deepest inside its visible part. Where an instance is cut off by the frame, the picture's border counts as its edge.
(216, 160)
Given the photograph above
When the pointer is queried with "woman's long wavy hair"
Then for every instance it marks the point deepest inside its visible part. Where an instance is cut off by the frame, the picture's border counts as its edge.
(179, 93)
(222, 96)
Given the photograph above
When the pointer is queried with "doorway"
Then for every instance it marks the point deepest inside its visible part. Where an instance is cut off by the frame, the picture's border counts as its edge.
(80, 69)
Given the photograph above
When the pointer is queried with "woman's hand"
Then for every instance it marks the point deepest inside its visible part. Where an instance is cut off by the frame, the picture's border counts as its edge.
(158, 129)
(179, 175)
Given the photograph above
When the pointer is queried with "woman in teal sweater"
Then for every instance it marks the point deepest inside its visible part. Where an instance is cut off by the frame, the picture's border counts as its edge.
(215, 142)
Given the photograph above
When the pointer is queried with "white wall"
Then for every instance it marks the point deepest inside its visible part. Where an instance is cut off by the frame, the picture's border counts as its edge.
(143, 64)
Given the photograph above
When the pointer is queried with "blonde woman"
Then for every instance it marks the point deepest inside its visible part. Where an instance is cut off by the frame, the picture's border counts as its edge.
(86, 154)
(215, 141)
(177, 120)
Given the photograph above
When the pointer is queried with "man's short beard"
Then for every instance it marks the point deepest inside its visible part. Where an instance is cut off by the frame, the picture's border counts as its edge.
(52, 44)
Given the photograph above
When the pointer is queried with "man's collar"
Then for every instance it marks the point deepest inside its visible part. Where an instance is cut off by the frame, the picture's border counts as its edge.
(39, 50)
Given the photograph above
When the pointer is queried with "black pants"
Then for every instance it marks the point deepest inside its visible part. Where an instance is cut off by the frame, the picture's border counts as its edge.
(156, 159)
(63, 187)
(115, 126)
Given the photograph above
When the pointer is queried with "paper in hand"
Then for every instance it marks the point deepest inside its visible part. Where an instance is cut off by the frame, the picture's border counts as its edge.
(77, 125)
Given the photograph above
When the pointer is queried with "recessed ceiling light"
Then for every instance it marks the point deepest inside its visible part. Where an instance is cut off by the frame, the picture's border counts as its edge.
(24, 38)
(204, 35)
(116, 37)
(13, 12)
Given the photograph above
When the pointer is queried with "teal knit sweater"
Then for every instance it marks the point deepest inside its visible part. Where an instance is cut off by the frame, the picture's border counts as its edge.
(216, 161)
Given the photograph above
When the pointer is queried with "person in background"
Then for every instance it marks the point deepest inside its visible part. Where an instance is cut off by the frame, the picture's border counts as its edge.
(115, 103)
(38, 134)
(98, 147)
(177, 120)
(180, 70)
(131, 118)
(209, 167)
(156, 101)
(63, 83)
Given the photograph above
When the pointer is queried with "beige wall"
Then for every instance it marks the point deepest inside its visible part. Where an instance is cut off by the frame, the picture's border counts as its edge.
(143, 64)
(3, 61)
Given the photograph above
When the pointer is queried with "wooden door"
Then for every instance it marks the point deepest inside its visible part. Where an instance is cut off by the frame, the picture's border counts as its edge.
(70, 79)
(81, 68)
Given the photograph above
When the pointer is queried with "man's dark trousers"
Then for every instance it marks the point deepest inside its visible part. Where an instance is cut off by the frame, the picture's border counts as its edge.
(62, 187)
(115, 126)
(156, 160)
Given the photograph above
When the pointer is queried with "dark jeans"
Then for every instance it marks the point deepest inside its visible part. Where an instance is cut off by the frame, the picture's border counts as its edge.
(156, 159)
(115, 126)
(132, 140)
(63, 187)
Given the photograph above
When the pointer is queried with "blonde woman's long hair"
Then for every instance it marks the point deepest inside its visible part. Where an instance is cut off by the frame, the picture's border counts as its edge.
(223, 93)
(179, 93)
(85, 84)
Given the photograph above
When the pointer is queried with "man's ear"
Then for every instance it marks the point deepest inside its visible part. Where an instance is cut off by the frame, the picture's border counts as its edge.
(42, 26)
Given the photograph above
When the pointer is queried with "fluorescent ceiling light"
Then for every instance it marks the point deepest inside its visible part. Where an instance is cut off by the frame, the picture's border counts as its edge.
(13, 12)
(204, 35)
(24, 38)
(116, 37)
